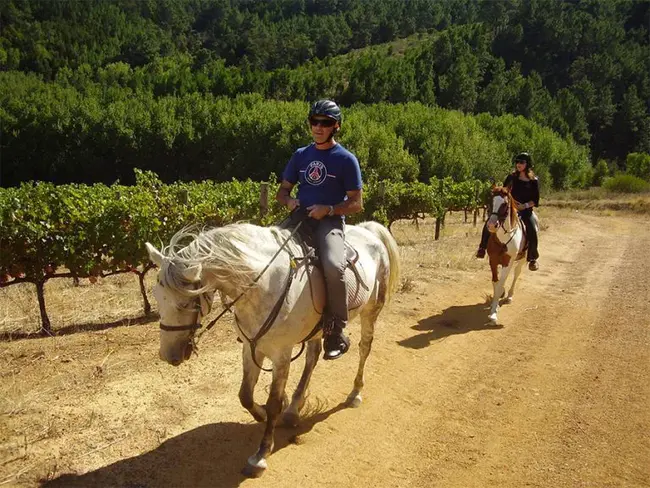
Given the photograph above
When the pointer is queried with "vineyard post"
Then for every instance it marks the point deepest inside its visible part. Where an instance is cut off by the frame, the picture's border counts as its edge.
(442, 193)
(264, 200)
(476, 202)
(442, 210)
(185, 196)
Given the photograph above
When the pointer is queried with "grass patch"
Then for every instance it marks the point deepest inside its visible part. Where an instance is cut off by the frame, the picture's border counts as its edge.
(600, 199)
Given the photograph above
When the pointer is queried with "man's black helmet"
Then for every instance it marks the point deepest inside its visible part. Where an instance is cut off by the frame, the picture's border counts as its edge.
(524, 156)
(327, 108)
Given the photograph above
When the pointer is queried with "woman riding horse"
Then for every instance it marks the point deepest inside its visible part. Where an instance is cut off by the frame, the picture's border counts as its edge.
(524, 188)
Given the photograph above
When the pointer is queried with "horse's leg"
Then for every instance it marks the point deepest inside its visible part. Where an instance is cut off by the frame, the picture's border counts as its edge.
(292, 414)
(247, 389)
(257, 462)
(499, 289)
(518, 268)
(368, 319)
(494, 269)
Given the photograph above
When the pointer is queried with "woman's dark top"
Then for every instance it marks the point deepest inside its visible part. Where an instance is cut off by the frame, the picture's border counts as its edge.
(523, 191)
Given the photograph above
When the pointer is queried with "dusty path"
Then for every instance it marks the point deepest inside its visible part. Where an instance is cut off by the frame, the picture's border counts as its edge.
(557, 395)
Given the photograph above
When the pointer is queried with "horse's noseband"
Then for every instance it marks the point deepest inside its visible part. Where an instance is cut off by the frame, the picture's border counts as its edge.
(502, 213)
(177, 328)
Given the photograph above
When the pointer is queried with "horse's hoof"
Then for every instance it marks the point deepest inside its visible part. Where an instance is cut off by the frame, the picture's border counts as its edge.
(354, 401)
(254, 469)
(290, 419)
(493, 318)
(508, 300)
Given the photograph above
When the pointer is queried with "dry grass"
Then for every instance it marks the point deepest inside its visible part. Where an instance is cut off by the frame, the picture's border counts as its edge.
(421, 254)
(114, 298)
(600, 200)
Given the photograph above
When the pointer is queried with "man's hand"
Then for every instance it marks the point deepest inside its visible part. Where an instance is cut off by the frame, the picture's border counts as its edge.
(292, 203)
(318, 211)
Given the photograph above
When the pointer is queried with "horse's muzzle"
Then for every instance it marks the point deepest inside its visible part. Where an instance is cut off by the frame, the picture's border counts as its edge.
(173, 361)
(176, 360)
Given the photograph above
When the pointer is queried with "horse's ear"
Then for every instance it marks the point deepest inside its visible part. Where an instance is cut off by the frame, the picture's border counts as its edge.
(154, 254)
(193, 273)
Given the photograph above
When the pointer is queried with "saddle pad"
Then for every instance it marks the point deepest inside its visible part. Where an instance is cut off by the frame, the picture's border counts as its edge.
(358, 293)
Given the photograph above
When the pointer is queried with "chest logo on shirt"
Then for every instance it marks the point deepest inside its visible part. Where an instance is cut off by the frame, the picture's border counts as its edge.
(315, 173)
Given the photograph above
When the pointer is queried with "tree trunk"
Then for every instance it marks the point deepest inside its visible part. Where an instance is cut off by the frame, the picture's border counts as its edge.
(143, 290)
(46, 327)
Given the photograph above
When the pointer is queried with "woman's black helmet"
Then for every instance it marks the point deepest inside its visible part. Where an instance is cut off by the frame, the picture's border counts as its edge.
(524, 156)
(327, 108)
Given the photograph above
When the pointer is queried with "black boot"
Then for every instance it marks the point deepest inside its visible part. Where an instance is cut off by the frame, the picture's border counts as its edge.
(335, 342)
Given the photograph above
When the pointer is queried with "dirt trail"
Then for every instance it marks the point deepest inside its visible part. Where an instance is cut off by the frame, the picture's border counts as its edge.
(558, 394)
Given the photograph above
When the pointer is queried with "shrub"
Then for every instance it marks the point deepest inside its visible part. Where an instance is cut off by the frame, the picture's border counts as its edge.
(601, 171)
(626, 183)
(638, 164)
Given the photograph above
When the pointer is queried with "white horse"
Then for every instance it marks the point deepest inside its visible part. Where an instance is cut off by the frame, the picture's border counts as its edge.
(506, 246)
(290, 294)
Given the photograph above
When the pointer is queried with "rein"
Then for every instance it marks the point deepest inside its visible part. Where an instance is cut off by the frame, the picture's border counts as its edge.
(292, 267)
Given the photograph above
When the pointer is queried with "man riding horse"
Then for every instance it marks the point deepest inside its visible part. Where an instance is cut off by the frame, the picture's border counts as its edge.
(329, 187)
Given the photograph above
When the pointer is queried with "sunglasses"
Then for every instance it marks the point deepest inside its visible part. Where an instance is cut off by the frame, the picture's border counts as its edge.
(322, 122)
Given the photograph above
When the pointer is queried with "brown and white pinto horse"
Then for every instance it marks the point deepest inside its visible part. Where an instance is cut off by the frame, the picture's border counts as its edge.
(506, 246)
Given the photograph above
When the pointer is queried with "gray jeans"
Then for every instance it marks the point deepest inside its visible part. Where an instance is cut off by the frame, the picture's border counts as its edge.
(329, 237)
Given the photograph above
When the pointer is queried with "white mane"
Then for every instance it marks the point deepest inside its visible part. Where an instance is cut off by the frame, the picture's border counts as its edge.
(235, 253)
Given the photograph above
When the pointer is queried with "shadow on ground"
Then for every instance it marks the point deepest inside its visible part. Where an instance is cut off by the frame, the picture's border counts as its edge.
(454, 320)
(208, 456)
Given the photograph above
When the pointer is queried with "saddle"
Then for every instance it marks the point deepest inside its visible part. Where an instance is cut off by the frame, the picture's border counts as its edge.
(358, 290)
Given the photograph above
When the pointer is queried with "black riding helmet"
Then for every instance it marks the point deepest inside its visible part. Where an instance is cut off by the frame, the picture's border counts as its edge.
(524, 156)
(327, 108)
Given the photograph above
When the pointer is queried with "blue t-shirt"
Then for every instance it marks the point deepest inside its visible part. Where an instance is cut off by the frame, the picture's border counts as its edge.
(323, 176)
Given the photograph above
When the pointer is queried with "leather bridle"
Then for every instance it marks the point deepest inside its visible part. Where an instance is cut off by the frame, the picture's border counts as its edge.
(270, 319)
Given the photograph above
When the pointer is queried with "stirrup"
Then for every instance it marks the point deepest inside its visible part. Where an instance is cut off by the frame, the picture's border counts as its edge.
(335, 345)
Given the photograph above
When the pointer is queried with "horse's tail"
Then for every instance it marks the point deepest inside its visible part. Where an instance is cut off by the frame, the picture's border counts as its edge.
(393, 254)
